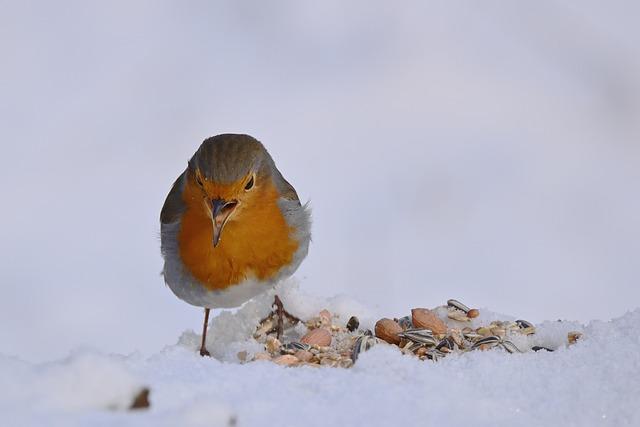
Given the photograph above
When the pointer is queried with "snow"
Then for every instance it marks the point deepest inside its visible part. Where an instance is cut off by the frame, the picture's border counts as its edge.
(449, 150)
(592, 382)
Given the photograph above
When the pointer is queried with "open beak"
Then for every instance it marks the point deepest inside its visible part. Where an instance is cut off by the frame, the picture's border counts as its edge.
(220, 212)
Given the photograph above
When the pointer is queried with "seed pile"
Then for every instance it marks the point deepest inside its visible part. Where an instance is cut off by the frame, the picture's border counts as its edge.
(424, 334)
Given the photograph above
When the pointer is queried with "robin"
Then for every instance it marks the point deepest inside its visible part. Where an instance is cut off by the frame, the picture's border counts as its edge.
(231, 226)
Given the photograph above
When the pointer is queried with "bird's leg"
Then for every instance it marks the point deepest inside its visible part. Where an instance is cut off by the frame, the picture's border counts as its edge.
(281, 313)
(203, 348)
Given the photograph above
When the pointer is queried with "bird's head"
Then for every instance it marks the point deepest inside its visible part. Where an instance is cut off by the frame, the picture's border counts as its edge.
(229, 175)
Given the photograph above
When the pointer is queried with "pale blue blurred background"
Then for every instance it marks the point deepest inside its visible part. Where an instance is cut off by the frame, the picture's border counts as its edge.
(487, 151)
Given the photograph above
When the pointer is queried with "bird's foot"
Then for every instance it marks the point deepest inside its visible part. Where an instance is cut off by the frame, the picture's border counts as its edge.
(275, 321)
(281, 313)
(204, 352)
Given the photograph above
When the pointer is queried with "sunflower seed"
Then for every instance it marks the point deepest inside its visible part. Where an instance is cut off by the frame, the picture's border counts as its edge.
(412, 347)
(295, 346)
(490, 341)
(421, 336)
(435, 355)
(458, 305)
(446, 343)
(363, 343)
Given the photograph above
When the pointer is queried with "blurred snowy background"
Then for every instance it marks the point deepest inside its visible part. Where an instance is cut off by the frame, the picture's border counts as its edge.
(488, 152)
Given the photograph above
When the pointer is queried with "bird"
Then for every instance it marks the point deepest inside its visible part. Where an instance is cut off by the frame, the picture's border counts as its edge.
(231, 226)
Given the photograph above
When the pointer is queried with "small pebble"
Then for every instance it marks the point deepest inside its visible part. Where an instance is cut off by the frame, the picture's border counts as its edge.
(141, 400)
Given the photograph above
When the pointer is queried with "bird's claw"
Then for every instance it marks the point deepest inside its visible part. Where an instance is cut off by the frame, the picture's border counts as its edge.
(274, 322)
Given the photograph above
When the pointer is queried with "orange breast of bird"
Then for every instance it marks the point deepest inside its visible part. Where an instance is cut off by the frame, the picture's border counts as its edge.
(256, 243)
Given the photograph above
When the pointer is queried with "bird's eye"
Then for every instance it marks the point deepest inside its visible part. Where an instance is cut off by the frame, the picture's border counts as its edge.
(249, 185)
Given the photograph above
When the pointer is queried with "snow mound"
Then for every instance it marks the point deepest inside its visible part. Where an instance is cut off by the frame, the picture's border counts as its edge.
(231, 332)
(83, 381)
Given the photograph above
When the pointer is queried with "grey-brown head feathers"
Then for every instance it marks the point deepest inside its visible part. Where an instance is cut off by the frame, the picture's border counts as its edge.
(229, 157)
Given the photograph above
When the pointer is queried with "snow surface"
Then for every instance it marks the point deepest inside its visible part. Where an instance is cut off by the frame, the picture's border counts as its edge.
(593, 382)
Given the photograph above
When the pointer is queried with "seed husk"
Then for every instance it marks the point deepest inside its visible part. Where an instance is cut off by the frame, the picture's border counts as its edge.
(510, 347)
(539, 347)
(458, 315)
(353, 324)
(272, 345)
(484, 331)
(523, 324)
(405, 322)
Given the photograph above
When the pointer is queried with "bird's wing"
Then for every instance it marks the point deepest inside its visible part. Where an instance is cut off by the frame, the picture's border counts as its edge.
(174, 206)
(286, 190)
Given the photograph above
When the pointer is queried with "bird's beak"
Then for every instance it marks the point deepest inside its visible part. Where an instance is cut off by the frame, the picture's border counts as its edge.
(220, 212)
